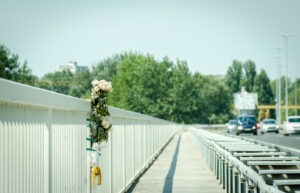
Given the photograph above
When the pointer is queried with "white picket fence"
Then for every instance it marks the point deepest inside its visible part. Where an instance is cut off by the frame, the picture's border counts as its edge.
(43, 143)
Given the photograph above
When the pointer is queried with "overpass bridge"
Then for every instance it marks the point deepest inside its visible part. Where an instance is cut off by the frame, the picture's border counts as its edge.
(43, 148)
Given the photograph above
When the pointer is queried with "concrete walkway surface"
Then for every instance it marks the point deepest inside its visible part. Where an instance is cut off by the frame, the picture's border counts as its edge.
(180, 168)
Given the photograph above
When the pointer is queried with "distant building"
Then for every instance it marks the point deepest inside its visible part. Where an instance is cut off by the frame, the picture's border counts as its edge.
(72, 67)
(245, 103)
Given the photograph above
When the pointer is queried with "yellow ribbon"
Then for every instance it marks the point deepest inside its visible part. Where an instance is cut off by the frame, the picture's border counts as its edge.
(96, 171)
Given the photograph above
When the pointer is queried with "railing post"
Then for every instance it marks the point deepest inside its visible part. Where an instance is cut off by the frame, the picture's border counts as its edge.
(124, 155)
(243, 185)
(230, 179)
(236, 182)
(217, 166)
(250, 189)
(110, 161)
(220, 169)
(223, 172)
(133, 145)
(257, 189)
(226, 176)
(47, 152)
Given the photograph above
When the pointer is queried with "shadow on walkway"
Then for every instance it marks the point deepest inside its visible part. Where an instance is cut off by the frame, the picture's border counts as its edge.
(168, 186)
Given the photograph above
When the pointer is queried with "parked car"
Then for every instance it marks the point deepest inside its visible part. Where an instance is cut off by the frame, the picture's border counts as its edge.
(246, 124)
(231, 125)
(292, 125)
(269, 125)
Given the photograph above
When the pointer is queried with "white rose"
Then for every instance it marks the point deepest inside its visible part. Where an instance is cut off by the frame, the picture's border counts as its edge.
(94, 83)
(105, 86)
(101, 85)
(106, 124)
(96, 88)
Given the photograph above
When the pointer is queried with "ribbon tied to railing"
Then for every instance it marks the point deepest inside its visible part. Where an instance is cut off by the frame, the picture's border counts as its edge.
(96, 172)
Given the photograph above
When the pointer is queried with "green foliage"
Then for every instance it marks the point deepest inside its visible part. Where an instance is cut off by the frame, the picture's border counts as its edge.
(65, 82)
(168, 90)
(263, 88)
(163, 89)
(244, 75)
(107, 68)
(294, 97)
(249, 75)
(241, 74)
(11, 69)
(234, 76)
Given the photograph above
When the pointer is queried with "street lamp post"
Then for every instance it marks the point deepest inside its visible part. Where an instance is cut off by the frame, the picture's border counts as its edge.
(278, 84)
(286, 36)
(277, 93)
(296, 93)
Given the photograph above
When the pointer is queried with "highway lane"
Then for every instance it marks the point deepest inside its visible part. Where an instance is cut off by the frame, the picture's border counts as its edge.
(292, 141)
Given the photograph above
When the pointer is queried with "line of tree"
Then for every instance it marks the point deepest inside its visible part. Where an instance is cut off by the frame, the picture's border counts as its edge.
(12, 69)
(244, 75)
(163, 89)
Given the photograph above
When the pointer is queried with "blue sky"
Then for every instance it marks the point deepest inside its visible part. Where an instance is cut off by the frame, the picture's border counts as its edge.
(209, 34)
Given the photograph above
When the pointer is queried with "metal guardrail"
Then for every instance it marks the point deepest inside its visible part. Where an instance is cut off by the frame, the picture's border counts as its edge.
(248, 166)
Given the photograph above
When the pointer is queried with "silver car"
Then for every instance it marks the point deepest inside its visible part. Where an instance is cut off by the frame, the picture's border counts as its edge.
(231, 125)
(292, 125)
(269, 125)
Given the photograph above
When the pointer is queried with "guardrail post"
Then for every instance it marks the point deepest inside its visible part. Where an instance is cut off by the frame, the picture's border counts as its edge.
(214, 162)
(223, 173)
(243, 185)
(236, 182)
(230, 179)
(227, 176)
(250, 189)
(218, 167)
(211, 158)
(257, 189)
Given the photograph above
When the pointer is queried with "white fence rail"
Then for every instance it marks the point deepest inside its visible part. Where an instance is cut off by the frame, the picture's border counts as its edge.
(43, 143)
(247, 165)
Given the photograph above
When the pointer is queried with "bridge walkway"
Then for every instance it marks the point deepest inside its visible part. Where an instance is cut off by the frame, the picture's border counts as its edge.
(180, 168)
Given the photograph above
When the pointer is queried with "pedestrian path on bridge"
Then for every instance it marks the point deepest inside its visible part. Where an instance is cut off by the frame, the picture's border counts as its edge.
(180, 168)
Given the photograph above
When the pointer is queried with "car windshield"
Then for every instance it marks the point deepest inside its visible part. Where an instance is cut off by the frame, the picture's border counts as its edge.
(294, 120)
(232, 122)
(269, 122)
(247, 119)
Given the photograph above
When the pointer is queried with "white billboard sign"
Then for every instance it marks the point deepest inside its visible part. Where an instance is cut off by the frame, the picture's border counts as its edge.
(245, 101)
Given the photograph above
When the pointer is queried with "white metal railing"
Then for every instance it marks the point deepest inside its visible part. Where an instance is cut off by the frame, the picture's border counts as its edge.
(247, 165)
(43, 143)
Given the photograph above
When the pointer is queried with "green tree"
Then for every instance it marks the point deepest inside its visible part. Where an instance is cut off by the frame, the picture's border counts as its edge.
(168, 90)
(263, 88)
(11, 69)
(234, 76)
(218, 99)
(249, 75)
(293, 88)
(65, 82)
(81, 84)
(181, 94)
(141, 84)
(58, 82)
(107, 68)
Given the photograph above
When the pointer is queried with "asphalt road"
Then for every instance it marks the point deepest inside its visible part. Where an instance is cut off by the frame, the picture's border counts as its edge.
(292, 141)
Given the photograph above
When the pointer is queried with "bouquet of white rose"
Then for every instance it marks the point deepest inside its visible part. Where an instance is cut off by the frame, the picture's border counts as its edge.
(99, 124)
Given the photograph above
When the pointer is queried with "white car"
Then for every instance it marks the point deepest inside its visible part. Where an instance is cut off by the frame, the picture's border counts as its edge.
(292, 125)
(231, 125)
(269, 125)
